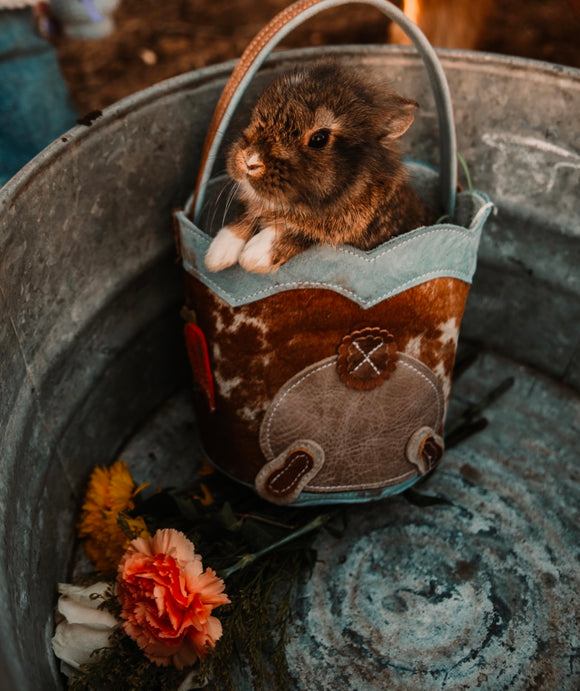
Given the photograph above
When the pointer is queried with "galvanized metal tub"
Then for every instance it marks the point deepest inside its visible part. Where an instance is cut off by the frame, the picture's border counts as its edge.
(472, 593)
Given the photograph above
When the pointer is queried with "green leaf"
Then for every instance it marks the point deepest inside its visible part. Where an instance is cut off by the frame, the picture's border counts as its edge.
(228, 518)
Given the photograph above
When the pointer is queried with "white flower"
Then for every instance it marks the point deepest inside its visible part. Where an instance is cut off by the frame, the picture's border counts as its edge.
(82, 628)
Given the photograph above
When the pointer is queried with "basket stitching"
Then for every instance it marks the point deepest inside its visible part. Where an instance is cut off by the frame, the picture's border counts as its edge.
(293, 482)
(354, 488)
(367, 358)
(330, 364)
(431, 384)
(442, 229)
(449, 272)
(466, 233)
(279, 401)
(452, 271)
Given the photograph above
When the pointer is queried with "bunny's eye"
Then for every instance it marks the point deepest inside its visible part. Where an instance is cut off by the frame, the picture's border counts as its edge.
(319, 139)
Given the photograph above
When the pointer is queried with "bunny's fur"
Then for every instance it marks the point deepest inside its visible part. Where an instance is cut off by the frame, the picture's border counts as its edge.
(318, 164)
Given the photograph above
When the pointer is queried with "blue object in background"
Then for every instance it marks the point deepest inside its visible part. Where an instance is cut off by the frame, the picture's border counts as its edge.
(35, 105)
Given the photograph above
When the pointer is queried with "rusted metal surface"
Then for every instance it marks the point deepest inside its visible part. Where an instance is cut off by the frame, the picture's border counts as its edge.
(91, 344)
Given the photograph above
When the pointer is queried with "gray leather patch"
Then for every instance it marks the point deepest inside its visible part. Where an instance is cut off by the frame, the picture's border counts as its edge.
(363, 434)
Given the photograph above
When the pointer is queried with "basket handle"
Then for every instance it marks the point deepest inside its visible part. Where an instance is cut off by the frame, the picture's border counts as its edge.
(265, 41)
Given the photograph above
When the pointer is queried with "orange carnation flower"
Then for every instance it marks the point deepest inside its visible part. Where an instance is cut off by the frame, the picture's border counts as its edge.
(110, 492)
(167, 599)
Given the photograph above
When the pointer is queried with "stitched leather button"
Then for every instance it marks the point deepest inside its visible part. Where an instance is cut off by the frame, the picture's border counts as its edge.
(282, 480)
(425, 449)
(366, 358)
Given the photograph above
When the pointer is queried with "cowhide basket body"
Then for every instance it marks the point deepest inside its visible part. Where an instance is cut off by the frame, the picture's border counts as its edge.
(328, 380)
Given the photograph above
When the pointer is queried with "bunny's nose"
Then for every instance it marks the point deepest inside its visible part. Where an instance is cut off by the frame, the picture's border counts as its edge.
(254, 165)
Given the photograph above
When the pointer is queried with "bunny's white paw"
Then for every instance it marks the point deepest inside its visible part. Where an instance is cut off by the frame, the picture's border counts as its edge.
(257, 253)
(224, 250)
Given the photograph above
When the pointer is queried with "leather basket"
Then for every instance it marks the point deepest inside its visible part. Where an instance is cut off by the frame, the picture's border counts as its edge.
(328, 381)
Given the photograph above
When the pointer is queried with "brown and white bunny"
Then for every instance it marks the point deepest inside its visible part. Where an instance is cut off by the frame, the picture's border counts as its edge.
(318, 164)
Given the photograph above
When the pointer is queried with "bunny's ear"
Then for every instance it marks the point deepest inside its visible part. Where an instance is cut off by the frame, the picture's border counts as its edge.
(399, 117)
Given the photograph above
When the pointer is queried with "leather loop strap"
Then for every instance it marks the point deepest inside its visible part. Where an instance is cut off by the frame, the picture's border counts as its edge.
(265, 41)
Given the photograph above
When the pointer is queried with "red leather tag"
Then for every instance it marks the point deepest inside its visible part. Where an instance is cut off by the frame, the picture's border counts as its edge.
(199, 361)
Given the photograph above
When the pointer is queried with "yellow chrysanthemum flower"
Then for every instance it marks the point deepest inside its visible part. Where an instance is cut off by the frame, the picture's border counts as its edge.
(109, 495)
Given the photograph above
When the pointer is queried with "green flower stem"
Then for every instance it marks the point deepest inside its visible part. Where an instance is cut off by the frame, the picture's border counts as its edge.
(465, 170)
(261, 519)
(248, 559)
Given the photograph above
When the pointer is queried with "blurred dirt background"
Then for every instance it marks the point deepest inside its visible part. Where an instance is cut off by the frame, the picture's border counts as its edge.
(155, 40)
